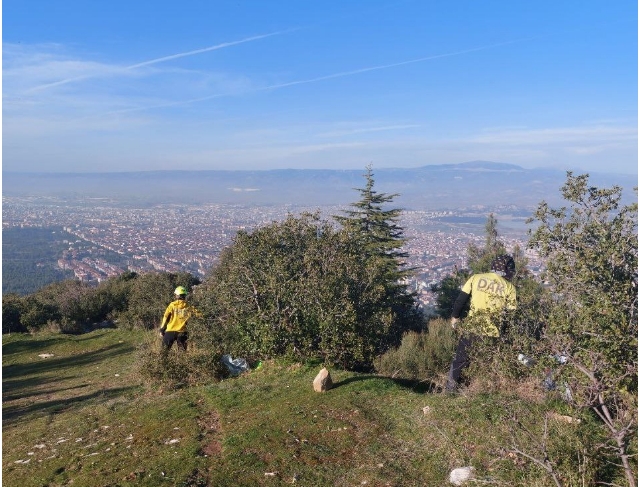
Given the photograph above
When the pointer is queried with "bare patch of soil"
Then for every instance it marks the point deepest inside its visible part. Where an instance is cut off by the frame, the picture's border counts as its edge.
(210, 433)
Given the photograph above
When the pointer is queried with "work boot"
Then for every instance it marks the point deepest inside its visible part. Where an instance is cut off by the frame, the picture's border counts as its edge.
(451, 387)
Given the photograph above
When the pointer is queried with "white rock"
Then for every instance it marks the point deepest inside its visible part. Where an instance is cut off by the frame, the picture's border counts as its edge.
(45, 355)
(323, 381)
(459, 476)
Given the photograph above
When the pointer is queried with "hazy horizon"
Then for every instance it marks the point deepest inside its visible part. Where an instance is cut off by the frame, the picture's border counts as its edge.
(425, 187)
(91, 171)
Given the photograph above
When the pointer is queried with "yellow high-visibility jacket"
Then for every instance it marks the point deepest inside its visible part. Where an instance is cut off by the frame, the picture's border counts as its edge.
(490, 293)
(177, 314)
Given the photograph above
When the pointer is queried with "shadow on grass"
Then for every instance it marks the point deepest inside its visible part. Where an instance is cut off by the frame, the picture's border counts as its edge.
(25, 345)
(25, 388)
(30, 382)
(419, 387)
(46, 366)
(12, 414)
(22, 346)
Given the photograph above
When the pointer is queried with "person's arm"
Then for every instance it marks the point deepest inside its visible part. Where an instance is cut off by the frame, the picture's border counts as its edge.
(458, 306)
(461, 301)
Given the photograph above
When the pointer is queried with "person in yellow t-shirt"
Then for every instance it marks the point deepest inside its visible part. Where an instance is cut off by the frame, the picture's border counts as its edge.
(489, 294)
(174, 321)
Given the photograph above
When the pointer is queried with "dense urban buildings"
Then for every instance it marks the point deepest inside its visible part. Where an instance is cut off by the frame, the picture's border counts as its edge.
(102, 240)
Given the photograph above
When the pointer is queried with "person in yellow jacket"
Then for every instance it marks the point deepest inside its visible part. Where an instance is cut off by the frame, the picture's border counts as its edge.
(174, 321)
(490, 293)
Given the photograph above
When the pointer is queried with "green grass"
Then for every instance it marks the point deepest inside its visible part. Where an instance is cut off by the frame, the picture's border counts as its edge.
(84, 417)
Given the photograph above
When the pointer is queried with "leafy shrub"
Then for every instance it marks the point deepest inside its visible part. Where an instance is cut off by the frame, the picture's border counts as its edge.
(12, 308)
(66, 306)
(176, 368)
(300, 288)
(135, 301)
(113, 295)
(303, 289)
(591, 250)
(421, 355)
(447, 291)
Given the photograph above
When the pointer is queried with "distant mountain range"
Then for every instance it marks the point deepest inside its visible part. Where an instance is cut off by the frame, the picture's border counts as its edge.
(476, 183)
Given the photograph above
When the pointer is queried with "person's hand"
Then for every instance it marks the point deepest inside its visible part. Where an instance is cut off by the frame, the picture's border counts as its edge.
(454, 322)
(162, 330)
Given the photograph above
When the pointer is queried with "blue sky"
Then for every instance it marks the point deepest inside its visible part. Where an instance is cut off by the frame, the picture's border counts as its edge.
(124, 85)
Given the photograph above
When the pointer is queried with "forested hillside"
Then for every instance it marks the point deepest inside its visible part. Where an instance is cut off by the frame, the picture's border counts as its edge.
(29, 258)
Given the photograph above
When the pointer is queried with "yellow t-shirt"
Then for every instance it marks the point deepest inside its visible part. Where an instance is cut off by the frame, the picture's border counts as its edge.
(177, 314)
(490, 293)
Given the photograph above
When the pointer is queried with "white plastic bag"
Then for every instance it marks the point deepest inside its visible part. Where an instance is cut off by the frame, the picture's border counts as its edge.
(236, 366)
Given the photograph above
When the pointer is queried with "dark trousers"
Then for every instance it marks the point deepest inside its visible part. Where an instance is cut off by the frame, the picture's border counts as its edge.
(174, 336)
(460, 359)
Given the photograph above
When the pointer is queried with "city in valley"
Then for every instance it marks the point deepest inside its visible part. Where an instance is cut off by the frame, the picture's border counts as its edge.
(103, 240)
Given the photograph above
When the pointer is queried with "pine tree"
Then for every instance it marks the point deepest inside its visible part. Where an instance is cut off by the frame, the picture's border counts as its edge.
(375, 228)
(377, 238)
(480, 259)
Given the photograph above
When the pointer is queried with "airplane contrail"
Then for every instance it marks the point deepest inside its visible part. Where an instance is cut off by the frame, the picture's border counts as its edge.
(162, 59)
(356, 71)
(322, 78)
(206, 49)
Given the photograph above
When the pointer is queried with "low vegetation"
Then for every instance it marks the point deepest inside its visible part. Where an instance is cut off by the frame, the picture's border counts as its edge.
(297, 295)
(87, 416)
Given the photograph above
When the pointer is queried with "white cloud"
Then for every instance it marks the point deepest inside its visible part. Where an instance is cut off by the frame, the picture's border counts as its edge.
(48, 72)
(111, 101)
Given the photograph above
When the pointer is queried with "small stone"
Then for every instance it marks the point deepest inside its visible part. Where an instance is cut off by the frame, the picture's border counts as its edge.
(459, 476)
(563, 418)
(322, 382)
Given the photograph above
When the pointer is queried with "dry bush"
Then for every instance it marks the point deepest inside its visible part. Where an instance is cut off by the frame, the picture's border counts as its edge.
(495, 368)
(526, 388)
(176, 367)
(59, 326)
(421, 356)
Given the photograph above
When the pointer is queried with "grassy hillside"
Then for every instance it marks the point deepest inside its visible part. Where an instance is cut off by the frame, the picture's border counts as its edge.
(84, 417)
